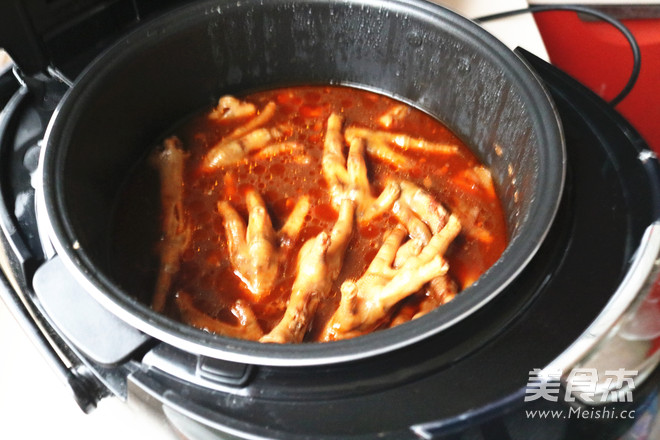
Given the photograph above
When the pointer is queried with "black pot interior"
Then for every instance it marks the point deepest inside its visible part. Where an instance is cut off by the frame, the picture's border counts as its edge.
(177, 65)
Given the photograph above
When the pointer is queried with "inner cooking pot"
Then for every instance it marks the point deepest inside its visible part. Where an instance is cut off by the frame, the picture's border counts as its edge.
(182, 62)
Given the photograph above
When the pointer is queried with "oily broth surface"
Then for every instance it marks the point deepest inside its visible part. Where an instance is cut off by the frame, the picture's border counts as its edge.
(206, 272)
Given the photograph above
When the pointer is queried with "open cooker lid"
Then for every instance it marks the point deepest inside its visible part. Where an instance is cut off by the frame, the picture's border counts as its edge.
(61, 37)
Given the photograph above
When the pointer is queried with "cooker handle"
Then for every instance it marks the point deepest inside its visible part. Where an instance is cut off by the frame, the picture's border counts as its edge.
(621, 347)
(99, 334)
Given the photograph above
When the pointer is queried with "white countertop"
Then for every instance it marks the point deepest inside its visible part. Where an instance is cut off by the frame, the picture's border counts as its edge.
(35, 405)
(519, 30)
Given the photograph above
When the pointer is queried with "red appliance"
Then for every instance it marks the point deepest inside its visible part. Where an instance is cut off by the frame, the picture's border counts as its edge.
(598, 56)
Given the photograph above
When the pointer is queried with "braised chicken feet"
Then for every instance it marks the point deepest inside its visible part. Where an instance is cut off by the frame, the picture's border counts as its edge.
(377, 146)
(366, 302)
(244, 139)
(319, 263)
(347, 178)
(230, 108)
(419, 212)
(255, 251)
(424, 216)
(402, 141)
(246, 326)
(170, 162)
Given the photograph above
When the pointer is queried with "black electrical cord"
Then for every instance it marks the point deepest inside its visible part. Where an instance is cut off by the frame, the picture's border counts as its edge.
(637, 58)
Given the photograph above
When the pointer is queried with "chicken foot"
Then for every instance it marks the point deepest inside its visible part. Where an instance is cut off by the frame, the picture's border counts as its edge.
(170, 162)
(319, 263)
(377, 146)
(231, 151)
(419, 212)
(229, 109)
(401, 140)
(255, 251)
(296, 150)
(246, 327)
(347, 178)
(423, 216)
(248, 137)
(367, 301)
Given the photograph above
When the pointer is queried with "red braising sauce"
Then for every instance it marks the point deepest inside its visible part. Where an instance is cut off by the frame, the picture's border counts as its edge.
(205, 271)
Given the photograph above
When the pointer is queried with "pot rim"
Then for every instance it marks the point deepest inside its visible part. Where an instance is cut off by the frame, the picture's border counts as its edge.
(521, 249)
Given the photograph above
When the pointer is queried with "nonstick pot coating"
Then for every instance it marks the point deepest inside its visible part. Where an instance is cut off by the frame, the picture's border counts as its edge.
(415, 51)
